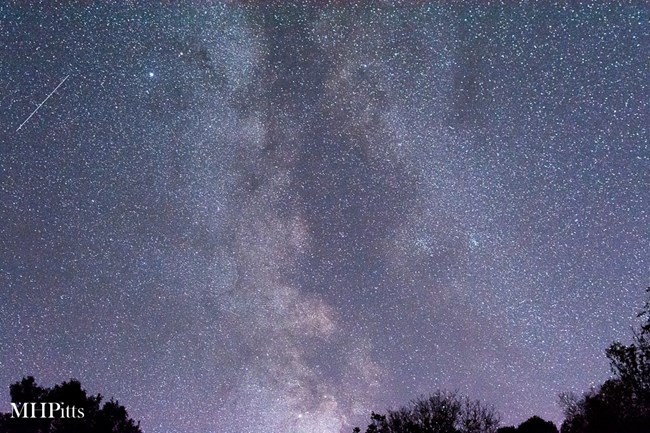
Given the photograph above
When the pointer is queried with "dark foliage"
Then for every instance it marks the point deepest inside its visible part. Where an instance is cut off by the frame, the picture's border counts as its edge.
(621, 404)
(109, 418)
(533, 424)
(439, 413)
(536, 424)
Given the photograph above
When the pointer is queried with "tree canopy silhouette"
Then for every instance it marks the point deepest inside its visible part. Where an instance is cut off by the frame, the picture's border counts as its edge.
(621, 404)
(109, 418)
(441, 412)
(536, 424)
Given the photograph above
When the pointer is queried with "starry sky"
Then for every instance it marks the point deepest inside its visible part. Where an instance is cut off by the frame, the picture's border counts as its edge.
(278, 216)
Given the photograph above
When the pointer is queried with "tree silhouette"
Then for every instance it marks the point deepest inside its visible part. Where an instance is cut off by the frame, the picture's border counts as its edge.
(439, 413)
(631, 364)
(533, 424)
(536, 424)
(109, 418)
(621, 404)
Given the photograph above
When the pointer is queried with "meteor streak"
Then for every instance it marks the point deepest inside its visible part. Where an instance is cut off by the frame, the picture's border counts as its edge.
(44, 101)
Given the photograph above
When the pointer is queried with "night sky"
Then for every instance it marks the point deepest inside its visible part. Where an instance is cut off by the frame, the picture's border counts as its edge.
(244, 218)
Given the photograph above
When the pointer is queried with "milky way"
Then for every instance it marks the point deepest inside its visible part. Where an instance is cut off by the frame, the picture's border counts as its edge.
(245, 218)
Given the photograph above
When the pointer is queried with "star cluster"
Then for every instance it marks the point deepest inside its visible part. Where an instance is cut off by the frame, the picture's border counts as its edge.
(278, 217)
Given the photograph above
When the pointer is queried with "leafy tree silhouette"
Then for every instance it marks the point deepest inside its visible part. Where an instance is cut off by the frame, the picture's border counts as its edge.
(533, 424)
(621, 404)
(441, 412)
(109, 418)
(631, 364)
(536, 424)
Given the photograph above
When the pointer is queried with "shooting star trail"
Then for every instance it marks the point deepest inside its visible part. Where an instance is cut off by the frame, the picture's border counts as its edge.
(41, 104)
